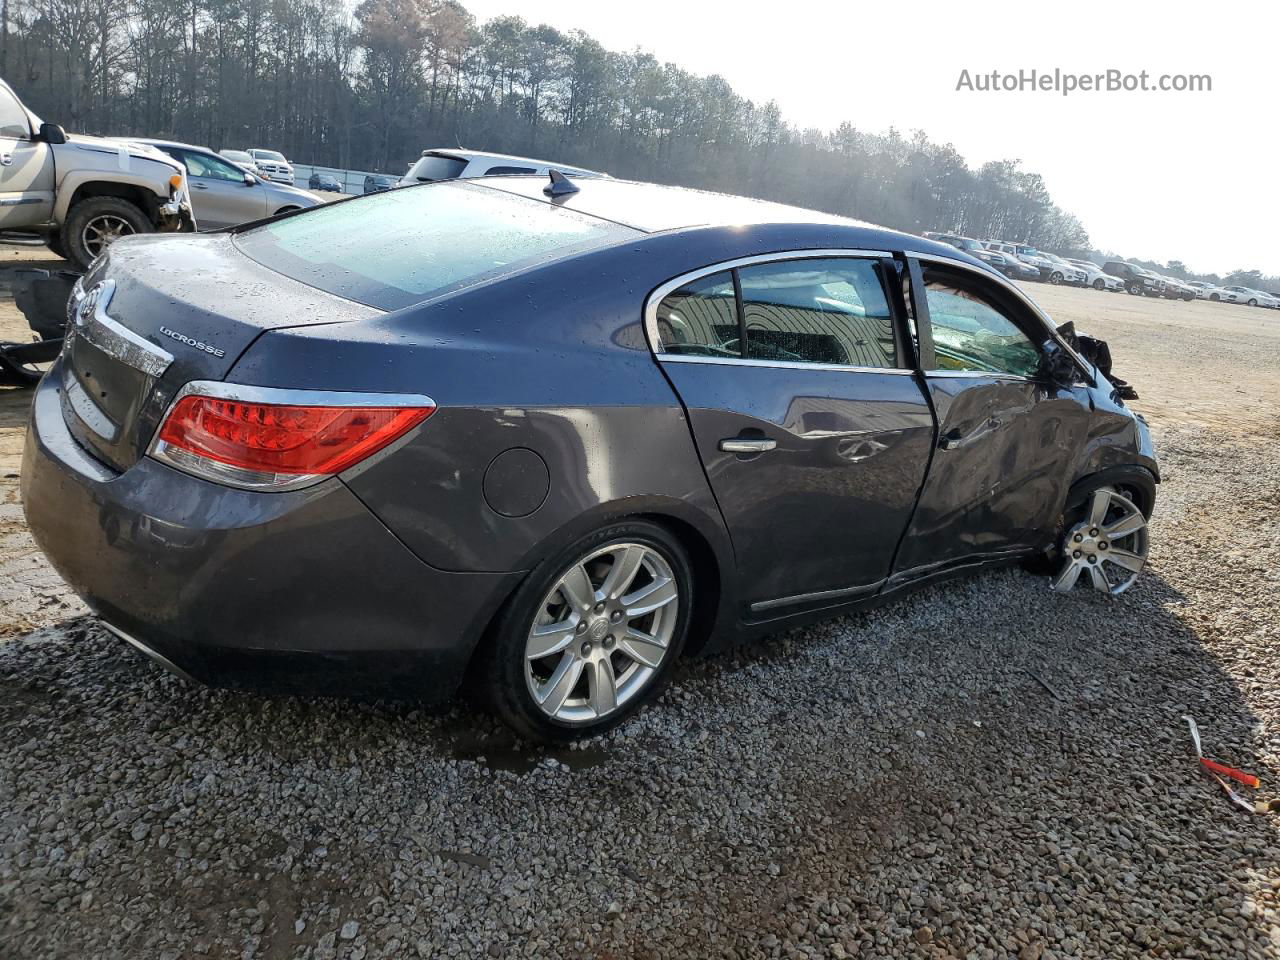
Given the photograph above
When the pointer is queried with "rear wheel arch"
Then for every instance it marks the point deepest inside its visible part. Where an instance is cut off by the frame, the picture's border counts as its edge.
(707, 549)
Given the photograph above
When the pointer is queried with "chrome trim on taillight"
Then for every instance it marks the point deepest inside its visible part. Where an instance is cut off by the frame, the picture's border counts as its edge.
(260, 480)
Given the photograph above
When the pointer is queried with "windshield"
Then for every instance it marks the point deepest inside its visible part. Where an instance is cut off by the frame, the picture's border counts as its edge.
(401, 247)
(269, 155)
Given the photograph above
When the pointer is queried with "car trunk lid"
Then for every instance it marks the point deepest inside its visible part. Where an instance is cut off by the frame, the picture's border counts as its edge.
(161, 312)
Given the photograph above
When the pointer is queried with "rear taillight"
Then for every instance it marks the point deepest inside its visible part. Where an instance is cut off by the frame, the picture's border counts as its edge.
(266, 439)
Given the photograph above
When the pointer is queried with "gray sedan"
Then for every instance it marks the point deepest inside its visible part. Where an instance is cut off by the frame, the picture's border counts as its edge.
(223, 194)
(546, 436)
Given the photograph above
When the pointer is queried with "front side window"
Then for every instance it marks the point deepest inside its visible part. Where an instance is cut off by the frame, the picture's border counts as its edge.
(13, 119)
(817, 311)
(970, 333)
(701, 318)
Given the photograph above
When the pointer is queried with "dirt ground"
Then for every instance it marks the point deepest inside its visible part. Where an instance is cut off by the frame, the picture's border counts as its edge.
(984, 770)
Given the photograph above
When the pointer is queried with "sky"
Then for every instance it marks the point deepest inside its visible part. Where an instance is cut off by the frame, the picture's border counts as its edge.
(1152, 175)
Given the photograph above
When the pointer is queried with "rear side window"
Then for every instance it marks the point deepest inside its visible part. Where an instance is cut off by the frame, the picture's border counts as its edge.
(701, 318)
(432, 167)
(508, 171)
(817, 311)
(401, 247)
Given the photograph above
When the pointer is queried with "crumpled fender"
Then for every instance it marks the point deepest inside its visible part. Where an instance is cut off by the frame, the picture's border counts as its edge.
(104, 165)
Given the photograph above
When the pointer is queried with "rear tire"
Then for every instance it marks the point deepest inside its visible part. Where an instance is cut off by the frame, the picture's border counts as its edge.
(598, 650)
(93, 224)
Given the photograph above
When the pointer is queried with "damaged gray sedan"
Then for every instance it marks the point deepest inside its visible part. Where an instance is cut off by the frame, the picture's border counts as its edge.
(549, 437)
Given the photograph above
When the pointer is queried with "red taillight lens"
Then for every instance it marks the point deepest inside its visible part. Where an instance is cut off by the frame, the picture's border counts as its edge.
(276, 444)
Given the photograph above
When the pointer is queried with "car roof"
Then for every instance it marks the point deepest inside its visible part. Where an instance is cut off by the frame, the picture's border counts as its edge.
(469, 155)
(652, 207)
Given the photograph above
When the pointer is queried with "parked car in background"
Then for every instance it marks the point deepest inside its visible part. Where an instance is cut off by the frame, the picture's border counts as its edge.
(461, 164)
(1063, 271)
(672, 457)
(1175, 289)
(80, 194)
(224, 194)
(240, 158)
(272, 165)
(376, 183)
(1238, 294)
(1203, 289)
(324, 181)
(1095, 277)
(1025, 253)
(969, 245)
(1137, 280)
(1267, 300)
(1012, 267)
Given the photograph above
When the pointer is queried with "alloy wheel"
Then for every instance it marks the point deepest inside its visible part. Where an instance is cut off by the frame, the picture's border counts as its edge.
(601, 633)
(1108, 545)
(103, 230)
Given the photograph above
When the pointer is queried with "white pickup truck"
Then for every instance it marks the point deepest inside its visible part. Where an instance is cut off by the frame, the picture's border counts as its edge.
(78, 193)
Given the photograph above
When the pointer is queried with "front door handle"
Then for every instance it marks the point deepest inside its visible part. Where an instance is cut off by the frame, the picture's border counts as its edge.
(198, 186)
(949, 441)
(6, 159)
(747, 445)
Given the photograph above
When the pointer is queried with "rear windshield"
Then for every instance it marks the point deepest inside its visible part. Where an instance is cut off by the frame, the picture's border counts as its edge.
(437, 168)
(401, 247)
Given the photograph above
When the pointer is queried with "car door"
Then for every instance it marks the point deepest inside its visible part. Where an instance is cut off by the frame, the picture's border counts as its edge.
(26, 169)
(220, 194)
(1008, 438)
(811, 426)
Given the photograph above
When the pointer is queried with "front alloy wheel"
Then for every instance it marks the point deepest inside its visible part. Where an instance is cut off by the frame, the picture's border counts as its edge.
(592, 633)
(1107, 545)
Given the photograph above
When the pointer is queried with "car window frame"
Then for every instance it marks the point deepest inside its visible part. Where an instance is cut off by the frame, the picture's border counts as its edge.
(1023, 312)
(904, 359)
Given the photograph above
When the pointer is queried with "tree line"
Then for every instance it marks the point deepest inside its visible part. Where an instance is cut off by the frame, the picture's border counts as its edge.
(370, 88)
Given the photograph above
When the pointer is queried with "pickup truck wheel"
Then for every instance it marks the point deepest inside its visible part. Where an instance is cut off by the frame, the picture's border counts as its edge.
(94, 224)
(1135, 289)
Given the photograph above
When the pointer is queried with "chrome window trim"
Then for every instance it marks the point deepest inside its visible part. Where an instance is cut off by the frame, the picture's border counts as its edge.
(977, 375)
(1085, 367)
(780, 364)
(660, 293)
(113, 338)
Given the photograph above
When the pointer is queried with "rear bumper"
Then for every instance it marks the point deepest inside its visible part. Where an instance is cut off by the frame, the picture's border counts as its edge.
(305, 591)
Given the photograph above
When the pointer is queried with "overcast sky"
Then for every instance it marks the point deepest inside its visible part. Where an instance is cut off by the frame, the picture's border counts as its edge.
(1165, 176)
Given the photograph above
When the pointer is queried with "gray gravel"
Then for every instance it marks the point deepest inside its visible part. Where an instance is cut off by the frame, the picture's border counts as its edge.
(896, 783)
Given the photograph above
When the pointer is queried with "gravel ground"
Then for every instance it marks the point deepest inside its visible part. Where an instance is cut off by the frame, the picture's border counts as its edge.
(895, 783)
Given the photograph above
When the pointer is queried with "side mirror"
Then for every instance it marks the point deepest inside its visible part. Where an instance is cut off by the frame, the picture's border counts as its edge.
(250, 180)
(51, 133)
(1057, 367)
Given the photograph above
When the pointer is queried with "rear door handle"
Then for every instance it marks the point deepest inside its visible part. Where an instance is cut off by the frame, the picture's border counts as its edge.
(949, 441)
(746, 445)
(6, 159)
